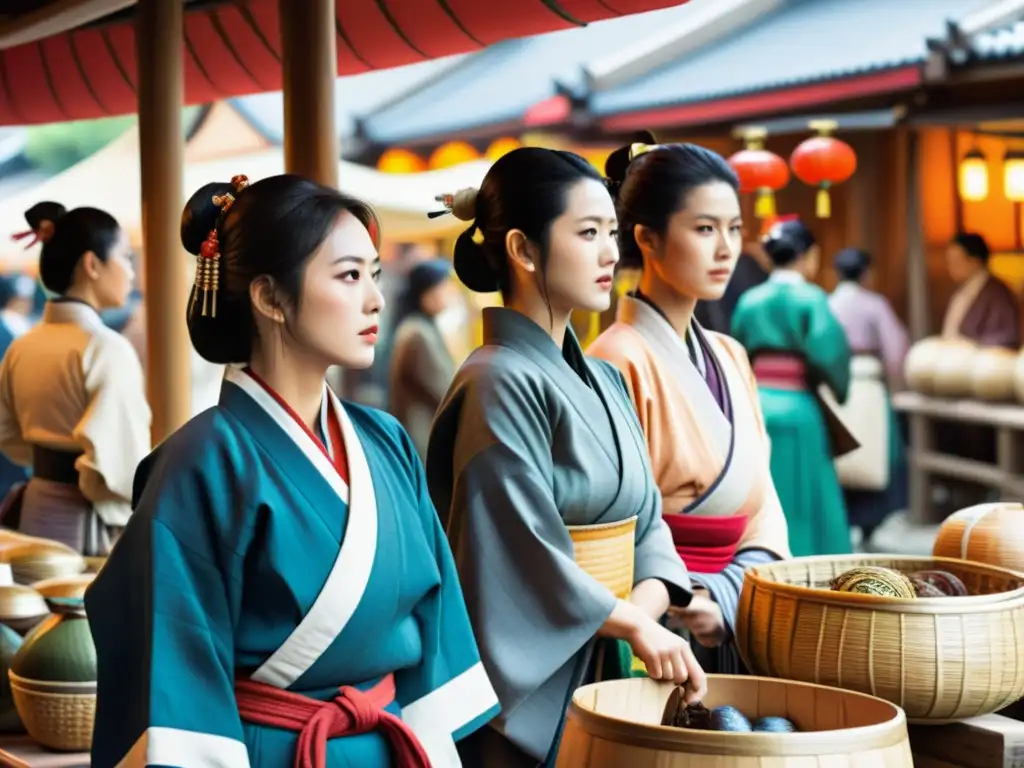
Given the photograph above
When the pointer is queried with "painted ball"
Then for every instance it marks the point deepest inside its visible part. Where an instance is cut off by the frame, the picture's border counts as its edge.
(774, 725)
(729, 719)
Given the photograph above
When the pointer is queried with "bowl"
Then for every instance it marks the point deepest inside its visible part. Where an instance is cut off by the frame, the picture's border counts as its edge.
(942, 659)
(618, 723)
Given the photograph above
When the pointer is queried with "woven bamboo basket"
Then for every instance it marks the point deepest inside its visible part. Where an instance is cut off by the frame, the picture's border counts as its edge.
(942, 659)
(985, 533)
(617, 723)
(59, 721)
(37, 559)
(606, 552)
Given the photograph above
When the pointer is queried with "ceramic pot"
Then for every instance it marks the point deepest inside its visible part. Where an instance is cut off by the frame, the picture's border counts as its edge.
(61, 648)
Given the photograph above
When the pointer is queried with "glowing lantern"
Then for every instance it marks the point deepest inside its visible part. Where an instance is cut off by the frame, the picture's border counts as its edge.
(973, 176)
(451, 154)
(823, 161)
(760, 171)
(400, 161)
(1013, 176)
(501, 147)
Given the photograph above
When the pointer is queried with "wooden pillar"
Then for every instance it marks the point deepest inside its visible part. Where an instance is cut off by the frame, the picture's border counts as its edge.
(160, 41)
(309, 61)
(917, 265)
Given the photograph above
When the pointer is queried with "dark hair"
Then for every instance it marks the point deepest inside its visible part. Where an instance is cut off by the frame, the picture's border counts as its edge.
(76, 232)
(44, 211)
(272, 229)
(526, 190)
(852, 263)
(655, 185)
(787, 241)
(974, 245)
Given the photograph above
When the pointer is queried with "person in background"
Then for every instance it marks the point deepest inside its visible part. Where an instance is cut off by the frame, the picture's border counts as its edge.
(72, 404)
(533, 437)
(693, 390)
(421, 365)
(17, 293)
(879, 342)
(751, 270)
(983, 309)
(795, 345)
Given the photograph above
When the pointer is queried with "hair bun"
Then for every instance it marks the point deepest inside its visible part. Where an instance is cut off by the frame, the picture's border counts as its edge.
(200, 215)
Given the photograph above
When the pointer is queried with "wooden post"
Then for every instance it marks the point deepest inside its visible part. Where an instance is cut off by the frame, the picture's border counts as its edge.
(917, 265)
(159, 44)
(309, 61)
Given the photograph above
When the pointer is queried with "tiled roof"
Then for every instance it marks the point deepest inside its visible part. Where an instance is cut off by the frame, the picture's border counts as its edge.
(1006, 43)
(803, 42)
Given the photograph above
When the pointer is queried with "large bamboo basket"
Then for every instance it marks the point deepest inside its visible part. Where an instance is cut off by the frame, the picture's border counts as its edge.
(606, 552)
(941, 659)
(617, 724)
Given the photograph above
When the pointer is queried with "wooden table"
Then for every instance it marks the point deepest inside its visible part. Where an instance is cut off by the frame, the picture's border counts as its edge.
(22, 752)
(1006, 475)
(991, 741)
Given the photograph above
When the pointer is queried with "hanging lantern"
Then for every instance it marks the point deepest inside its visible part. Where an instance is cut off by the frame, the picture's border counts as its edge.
(760, 172)
(823, 161)
(501, 147)
(1013, 176)
(400, 161)
(451, 154)
(973, 176)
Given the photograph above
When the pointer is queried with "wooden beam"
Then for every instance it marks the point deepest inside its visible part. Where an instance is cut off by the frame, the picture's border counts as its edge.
(309, 61)
(160, 28)
(56, 17)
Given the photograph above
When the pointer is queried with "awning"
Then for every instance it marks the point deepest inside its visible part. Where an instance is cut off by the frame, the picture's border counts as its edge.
(233, 49)
(801, 56)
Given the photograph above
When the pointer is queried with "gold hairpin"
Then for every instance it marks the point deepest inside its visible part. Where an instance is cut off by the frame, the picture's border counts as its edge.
(639, 148)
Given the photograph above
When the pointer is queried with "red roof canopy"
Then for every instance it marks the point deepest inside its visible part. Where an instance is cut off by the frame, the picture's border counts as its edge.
(234, 49)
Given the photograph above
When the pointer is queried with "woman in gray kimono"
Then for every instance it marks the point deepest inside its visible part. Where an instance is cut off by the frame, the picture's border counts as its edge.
(532, 438)
(72, 401)
(421, 365)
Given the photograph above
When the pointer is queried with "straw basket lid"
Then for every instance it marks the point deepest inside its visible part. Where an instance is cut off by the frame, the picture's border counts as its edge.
(64, 586)
(993, 374)
(21, 602)
(606, 551)
(919, 653)
(618, 723)
(38, 559)
(986, 533)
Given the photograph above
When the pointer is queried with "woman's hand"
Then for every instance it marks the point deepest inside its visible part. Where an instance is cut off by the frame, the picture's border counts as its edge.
(668, 657)
(703, 617)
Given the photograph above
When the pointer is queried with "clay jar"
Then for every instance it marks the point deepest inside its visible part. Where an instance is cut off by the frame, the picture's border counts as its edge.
(60, 649)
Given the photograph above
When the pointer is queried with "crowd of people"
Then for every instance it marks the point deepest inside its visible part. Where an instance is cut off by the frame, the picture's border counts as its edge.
(286, 552)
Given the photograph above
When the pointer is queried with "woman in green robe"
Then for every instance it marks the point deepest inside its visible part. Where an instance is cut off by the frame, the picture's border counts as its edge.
(796, 345)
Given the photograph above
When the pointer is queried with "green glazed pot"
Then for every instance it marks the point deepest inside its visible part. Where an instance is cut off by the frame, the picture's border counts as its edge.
(60, 649)
(10, 642)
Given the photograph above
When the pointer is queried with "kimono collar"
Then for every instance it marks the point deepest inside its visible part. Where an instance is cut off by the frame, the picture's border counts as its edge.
(641, 313)
(72, 311)
(851, 287)
(786, 277)
(508, 328)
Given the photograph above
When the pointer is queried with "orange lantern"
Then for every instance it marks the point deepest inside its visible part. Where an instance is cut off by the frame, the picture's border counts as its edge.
(760, 171)
(501, 147)
(452, 153)
(823, 161)
(400, 161)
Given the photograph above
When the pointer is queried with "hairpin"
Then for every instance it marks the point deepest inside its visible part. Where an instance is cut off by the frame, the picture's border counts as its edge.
(208, 264)
(639, 148)
(27, 233)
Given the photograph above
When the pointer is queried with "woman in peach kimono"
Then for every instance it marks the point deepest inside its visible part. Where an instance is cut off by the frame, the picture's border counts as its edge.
(679, 220)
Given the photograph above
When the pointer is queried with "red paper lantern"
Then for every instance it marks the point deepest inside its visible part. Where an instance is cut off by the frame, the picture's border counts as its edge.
(761, 172)
(823, 161)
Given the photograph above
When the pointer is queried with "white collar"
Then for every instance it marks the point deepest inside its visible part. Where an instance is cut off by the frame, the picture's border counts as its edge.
(72, 311)
(786, 276)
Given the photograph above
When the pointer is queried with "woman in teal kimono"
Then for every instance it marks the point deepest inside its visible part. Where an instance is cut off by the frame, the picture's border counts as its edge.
(532, 438)
(284, 593)
(796, 345)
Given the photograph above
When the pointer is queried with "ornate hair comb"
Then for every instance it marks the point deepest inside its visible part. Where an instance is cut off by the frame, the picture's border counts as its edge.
(208, 264)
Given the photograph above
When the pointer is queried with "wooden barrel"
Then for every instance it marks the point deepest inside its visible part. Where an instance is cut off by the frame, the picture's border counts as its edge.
(606, 551)
(617, 723)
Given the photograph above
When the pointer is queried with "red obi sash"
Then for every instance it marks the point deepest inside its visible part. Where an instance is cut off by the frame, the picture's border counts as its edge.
(780, 370)
(350, 713)
(707, 544)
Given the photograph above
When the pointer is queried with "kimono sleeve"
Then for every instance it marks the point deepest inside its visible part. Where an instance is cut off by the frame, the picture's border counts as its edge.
(825, 346)
(114, 429)
(532, 607)
(448, 696)
(12, 443)
(162, 624)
